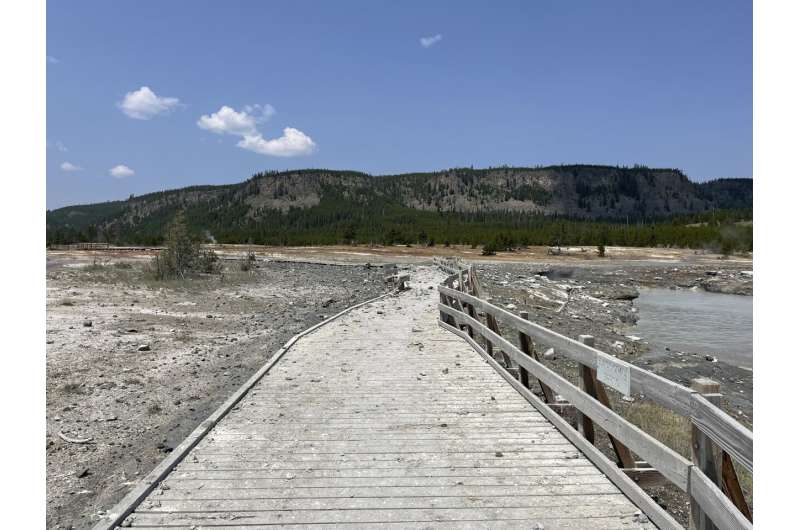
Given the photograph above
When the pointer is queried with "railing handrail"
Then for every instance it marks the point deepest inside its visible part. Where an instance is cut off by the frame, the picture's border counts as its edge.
(727, 433)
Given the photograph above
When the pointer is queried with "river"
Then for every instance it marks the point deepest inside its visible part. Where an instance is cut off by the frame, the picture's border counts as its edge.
(697, 321)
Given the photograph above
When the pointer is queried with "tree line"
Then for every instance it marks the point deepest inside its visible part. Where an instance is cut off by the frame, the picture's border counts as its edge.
(383, 222)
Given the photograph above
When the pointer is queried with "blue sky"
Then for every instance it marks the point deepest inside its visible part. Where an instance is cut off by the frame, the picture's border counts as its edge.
(237, 87)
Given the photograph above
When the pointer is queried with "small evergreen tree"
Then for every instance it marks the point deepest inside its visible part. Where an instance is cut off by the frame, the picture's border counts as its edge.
(182, 254)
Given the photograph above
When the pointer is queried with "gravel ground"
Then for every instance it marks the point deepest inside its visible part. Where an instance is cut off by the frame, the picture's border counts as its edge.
(134, 365)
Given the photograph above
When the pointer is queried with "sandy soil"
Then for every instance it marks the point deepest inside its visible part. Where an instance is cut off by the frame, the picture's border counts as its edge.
(409, 254)
(424, 254)
(134, 365)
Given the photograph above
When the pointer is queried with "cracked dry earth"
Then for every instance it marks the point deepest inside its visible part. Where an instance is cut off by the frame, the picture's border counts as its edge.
(133, 365)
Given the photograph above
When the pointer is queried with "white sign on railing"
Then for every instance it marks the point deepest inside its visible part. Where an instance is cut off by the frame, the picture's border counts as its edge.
(614, 373)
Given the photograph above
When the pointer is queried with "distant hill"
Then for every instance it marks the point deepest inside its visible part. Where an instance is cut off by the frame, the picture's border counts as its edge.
(326, 206)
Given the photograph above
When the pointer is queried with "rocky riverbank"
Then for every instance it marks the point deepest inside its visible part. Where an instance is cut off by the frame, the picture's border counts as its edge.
(599, 300)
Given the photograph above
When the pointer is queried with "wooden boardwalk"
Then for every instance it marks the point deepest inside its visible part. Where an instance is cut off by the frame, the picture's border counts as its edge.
(382, 419)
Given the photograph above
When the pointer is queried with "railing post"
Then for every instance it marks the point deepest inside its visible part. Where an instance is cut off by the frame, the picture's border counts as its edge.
(489, 345)
(732, 487)
(462, 305)
(703, 452)
(444, 316)
(585, 424)
(526, 345)
(503, 358)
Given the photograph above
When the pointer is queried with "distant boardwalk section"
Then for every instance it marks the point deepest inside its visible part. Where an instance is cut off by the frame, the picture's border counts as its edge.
(81, 246)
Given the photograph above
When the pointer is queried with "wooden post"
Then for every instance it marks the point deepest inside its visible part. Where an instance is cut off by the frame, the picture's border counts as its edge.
(703, 452)
(471, 312)
(475, 286)
(491, 323)
(526, 345)
(585, 424)
(444, 316)
(460, 305)
(624, 457)
(732, 488)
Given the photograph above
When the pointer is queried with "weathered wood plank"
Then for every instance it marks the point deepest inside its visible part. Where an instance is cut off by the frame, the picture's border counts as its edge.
(327, 517)
(383, 473)
(166, 504)
(605, 523)
(722, 512)
(730, 435)
(175, 492)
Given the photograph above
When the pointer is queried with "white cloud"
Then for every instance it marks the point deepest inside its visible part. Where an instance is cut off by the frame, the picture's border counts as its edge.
(427, 42)
(58, 145)
(66, 166)
(244, 124)
(292, 143)
(51, 59)
(227, 120)
(144, 104)
(121, 171)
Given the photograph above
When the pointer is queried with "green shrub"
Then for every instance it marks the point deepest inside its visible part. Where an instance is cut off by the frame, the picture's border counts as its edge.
(182, 254)
(248, 261)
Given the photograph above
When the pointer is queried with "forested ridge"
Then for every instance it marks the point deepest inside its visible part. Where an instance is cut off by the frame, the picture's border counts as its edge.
(577, 204)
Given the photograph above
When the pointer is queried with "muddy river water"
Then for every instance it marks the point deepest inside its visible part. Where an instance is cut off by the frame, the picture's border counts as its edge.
(698, 322)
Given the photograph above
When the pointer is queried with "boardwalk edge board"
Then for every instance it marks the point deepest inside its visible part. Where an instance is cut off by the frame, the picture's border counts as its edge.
(116, 515)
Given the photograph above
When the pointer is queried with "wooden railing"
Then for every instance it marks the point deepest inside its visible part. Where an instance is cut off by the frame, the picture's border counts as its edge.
(709, 478)
(81, 246)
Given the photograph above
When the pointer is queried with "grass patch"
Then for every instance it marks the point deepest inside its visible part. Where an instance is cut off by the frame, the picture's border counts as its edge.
(674, 431)
(669, 428)
(185, 336)
(746, 482)
(153, 409)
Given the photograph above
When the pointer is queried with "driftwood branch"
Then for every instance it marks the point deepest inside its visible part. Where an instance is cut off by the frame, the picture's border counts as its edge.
(74, 440)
